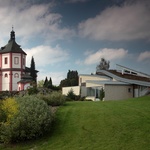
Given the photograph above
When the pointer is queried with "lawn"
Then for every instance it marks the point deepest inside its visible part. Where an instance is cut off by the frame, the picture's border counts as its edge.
(108, 125)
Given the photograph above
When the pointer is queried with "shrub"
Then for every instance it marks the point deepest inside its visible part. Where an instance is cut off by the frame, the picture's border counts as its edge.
(102, 94)
(9, 108)
(53, 99)
(4, 94)
(33, 119)
(82, 99)
(2, 114)
(32, 90)
(71, 95)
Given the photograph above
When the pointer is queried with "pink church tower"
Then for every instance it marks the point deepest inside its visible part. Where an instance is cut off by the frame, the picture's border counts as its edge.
(12, 65)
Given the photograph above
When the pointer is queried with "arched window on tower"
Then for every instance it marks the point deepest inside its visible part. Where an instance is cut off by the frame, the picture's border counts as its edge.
(16, 75)
(6, 75)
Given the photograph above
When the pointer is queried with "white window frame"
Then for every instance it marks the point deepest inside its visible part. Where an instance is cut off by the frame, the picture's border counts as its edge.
(16, 60)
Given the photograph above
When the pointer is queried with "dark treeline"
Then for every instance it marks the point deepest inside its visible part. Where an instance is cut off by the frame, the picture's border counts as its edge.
(71, 80)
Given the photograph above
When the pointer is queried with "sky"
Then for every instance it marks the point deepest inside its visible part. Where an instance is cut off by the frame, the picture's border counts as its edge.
(65, 35)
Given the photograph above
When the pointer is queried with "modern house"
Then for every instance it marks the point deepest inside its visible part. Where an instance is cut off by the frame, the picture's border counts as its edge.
(122, 83)
(14, 75)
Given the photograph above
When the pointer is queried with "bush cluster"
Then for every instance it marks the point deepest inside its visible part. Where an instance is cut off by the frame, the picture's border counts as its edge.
(8, 109)
(24, 118)
(6, 94)
(32, 90)
(53, 98)
(72, 96)
(102, 94)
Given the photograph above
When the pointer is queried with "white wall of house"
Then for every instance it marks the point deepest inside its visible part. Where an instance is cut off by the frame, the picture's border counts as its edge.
(88, 84)
(16, 60)
(118, 92)
(83, 91)
(136, 92)
(5, 80)
(15, 78)
(24, 61)
(4, 56)
(76, 90)
(84, 78)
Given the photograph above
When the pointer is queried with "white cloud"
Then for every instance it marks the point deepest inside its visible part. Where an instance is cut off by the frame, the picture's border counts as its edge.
(108, 54)
(31, 20)
(128, 22)
(144, 56)
(46, 55)
(88, 52)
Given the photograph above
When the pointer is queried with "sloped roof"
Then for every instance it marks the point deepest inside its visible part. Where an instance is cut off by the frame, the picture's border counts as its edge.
(25, 79)
(127, 78)
(130, 76)
(12, 46)
(132, 71)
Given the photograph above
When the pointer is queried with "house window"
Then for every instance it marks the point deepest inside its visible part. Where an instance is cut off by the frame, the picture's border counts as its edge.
(6, 60)
(6, 75)
(16, 75)
(16, 60)
(129, 90)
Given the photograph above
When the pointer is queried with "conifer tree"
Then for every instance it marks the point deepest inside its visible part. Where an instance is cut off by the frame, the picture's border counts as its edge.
(45, 82)
(102, 94)
(71, 80)
(32, 70)
(49, 83)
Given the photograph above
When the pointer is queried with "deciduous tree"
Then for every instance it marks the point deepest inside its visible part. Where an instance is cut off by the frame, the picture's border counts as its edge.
(103, 65)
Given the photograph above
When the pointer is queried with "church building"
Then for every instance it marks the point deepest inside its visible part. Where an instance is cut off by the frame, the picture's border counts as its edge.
(14, 75)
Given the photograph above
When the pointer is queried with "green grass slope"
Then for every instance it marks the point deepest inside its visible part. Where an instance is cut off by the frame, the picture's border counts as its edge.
(108, 125)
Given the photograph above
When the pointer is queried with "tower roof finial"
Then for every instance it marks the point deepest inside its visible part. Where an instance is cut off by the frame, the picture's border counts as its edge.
(12, 34)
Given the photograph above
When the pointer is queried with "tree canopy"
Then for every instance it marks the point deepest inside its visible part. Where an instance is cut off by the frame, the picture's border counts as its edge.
(71, 80)
(49, 84)
(103, 65)
(45, 82)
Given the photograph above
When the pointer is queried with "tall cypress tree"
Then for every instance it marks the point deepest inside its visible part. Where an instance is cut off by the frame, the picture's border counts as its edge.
(45, 82)
(50, 83)
(32, 70)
